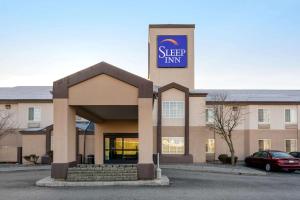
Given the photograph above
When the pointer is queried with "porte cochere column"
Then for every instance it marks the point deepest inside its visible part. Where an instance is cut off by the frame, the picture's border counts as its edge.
(99, 144)
(64, 138)
(145, 129)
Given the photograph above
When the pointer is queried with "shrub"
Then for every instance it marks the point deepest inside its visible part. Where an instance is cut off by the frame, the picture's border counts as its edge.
(225, 159)
(32, 158)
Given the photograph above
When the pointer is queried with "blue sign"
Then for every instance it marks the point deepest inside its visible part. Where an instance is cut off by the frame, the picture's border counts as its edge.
(172, 51)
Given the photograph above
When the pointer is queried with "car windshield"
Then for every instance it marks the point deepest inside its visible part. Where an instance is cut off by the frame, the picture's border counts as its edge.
(281, 155)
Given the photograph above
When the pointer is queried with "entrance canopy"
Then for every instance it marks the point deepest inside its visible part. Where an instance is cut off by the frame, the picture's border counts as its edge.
(104, 92)
(118, 102)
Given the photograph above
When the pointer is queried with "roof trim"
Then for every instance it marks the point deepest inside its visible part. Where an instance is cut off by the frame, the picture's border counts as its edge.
(37, 132)
(257, 102)
(60, 87)
(10, 101)
(198, 94)
(49, 128)
(175, 86)
(171, 25)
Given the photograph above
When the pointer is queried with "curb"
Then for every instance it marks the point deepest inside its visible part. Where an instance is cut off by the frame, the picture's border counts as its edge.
(49, 182)
(24, 169)
(219, 171)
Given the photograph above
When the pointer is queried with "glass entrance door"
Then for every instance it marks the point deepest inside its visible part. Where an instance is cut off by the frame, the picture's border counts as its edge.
(120, 148)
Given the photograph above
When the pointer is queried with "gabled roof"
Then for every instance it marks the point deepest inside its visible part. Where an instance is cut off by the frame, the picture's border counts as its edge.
(60, 87)
(26, 93)
(171, 25)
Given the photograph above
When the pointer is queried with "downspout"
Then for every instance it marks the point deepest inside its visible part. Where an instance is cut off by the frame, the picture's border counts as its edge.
(297, 128)
(84, 141)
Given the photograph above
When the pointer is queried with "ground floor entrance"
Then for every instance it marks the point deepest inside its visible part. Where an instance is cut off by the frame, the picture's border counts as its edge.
(121, 148)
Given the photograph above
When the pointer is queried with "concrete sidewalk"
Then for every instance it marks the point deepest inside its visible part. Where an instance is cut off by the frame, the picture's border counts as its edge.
(216, 168)
(49, 182)
(17, 167)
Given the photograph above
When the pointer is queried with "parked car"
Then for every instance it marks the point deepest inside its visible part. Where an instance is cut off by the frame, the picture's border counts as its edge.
(295, 154)
(273, 160)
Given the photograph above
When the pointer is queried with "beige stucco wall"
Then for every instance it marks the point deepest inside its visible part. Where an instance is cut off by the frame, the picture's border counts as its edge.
(172, 131)
(101, 90)
(277, 138)
(19, 120)
(120, 126)
(8, 154)
(197, 140)
(33, 144)
(246, 141)
(239, 144)
(12, 139)
(8, 146)
(164, 76)
(89, 145)
(276, 115)
(19, 113)
(13, 112)
(46, 114)
(197, 111)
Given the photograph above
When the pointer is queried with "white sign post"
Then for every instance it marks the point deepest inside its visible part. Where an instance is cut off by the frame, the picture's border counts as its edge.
(158, 170)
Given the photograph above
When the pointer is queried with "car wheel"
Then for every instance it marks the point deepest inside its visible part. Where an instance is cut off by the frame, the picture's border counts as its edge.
(268, 167)
(291, 170)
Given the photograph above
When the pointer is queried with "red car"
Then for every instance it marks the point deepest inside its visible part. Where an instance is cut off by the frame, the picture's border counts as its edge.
(273, 160)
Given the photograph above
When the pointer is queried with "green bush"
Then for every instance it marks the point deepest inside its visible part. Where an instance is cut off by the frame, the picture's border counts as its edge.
(225, 159)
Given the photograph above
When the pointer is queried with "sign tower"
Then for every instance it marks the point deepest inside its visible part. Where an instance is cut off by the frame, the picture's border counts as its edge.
(171, 54)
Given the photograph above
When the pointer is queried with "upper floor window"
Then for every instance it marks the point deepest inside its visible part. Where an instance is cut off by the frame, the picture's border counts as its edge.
(263, 116)
(34, 114)
(173, 109)
(209, 115)
(290, 116)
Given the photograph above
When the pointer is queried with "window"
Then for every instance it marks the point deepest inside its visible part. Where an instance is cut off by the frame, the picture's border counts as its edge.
(264, 144)
(209, 112)
(210, 146)
(263, 116)
(173, 109)
(173, 145)
(290, 145)
(34, 114)
(290, 116)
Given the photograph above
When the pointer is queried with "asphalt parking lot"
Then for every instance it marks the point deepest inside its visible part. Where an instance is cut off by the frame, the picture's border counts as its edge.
(184, 185)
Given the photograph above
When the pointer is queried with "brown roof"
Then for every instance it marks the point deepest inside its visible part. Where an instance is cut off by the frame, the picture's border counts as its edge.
(171, 25)
(60, 87)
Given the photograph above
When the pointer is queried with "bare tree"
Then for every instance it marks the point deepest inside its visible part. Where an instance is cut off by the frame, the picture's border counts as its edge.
(225, 118)
(7, 124)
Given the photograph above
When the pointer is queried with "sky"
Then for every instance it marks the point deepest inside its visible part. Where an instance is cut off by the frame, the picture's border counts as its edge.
(245, 44)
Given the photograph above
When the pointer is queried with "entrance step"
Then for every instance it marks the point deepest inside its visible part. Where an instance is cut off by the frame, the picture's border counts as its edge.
(118, 172)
